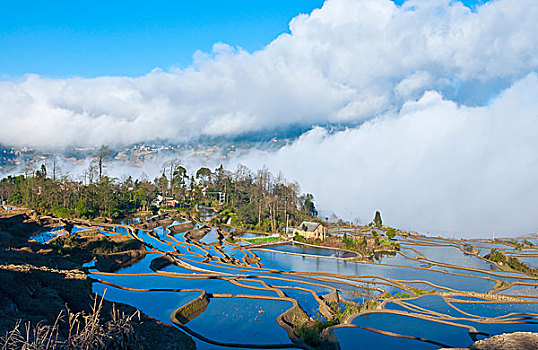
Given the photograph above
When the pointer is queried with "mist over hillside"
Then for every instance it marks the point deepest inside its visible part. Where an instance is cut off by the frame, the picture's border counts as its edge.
(425, 111)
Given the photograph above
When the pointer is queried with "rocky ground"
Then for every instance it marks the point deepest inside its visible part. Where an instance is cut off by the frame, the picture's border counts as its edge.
(38, 281)
(511, 341)
(506, 341)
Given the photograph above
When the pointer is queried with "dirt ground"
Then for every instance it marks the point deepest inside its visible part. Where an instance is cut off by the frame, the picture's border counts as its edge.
(36, 283)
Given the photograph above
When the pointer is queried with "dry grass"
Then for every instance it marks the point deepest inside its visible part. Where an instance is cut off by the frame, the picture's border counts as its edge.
(87, 332)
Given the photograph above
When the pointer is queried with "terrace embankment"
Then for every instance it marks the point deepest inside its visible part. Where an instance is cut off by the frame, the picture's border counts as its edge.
(110, 252)
(191, 310)
(161, 262)
(198, 233)
(37, 282)
(181, 228)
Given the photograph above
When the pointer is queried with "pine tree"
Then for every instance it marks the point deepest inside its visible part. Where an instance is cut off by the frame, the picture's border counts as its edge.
(377, 219)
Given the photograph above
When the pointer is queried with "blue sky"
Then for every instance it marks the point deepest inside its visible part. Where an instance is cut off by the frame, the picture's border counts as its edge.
(93, 38)
(89, 38)
(439, 102)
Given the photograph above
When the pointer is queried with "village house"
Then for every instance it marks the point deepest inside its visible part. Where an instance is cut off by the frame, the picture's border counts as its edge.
(310, 230)
(161, 202)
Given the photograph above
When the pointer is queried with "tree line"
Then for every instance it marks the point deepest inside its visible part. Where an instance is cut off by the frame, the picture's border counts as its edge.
(253, 199)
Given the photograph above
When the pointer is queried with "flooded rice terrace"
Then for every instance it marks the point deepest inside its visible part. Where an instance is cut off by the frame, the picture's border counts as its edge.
(227, 293)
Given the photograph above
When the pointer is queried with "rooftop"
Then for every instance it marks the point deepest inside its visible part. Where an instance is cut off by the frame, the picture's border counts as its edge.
(310, 226)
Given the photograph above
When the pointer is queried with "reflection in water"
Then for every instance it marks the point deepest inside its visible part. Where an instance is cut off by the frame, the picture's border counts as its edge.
(420, 292)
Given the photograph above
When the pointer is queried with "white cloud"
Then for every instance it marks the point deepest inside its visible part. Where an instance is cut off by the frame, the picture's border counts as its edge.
(409, 86)
(436, 166)
(432, 154)
(351, 60)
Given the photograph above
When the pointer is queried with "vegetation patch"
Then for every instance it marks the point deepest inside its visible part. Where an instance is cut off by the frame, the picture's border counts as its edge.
(252, 200)
(311, 332)
(366, 246)
(512, 262)
(516, 244)
(258, 240)
(415, 292)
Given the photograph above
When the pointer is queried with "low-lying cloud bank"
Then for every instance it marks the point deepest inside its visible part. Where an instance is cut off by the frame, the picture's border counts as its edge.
(447, 97)
(435, 167)
(349, 61)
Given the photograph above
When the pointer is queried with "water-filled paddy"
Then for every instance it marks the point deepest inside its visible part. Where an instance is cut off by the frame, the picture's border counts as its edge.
(320, 271)
(319, 265)
(158, 305)
(431, 303)
(247, 321)
(356, 338)
(453, 256)
(489, 309)
(44, 237)
(157, 244)
(405, 325)
(249, 235)
(298, 248)
(522, 290)
(210, 237)
(106, 232)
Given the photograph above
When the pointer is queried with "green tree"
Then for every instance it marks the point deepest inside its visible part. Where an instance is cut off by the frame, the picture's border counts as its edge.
(377, 219)
(376, 237)
(203, 173)
(178, 185)
(41, 173)
(308, 205)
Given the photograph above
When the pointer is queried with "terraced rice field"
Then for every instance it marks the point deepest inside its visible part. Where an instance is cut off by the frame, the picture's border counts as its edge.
(432, 294)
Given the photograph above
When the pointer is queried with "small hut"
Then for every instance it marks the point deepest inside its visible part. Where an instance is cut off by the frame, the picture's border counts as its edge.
(309, 229)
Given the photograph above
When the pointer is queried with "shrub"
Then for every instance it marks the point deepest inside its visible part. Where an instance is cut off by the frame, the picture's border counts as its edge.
(87, 332)
(391, 233)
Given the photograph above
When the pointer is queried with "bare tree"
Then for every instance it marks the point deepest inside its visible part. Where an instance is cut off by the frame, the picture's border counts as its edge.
(29, 168)
(100, 157)
(169, 167)
(92, 171)
(55, 167)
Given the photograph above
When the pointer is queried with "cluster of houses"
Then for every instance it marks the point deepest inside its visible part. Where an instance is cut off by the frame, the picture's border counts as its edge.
(161, 201)
(307, 229)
